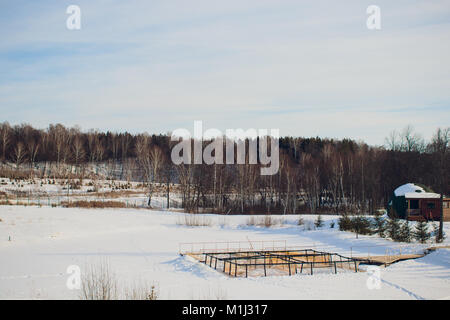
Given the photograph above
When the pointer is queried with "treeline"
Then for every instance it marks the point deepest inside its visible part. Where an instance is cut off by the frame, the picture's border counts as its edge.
(315, 175)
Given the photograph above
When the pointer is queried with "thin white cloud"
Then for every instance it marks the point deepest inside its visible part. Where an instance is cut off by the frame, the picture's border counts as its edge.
(160, 65)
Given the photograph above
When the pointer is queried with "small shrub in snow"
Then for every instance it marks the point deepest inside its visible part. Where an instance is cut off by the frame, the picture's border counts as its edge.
(319, 222)
(332, 225)
(194, 220)
(300, 221)
(142, 291)
(99, 283)
(266, 221)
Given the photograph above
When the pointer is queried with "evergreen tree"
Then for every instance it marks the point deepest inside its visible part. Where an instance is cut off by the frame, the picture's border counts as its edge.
(421, 232)
(361, 225)
(319, 222)
(393, 229)
(405, 234)
(379, 225)
(344, 223)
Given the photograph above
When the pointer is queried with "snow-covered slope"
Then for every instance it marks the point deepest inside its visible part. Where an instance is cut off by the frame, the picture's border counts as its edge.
(142, 246)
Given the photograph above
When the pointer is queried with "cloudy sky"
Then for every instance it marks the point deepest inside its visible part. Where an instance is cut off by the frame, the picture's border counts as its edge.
(309, 68)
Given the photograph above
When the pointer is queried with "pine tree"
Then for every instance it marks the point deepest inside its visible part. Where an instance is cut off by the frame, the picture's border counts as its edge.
(421, 232)
(379, 225)
(436, 235)
(393, 229)
(405, 234)
(319, 222)
(344, 223)
(361, 225)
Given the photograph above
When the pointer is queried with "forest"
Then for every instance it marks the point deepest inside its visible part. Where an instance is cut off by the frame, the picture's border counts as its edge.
(316, 175)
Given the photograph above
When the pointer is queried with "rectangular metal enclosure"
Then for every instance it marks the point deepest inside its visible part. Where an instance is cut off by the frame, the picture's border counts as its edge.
(254, 263)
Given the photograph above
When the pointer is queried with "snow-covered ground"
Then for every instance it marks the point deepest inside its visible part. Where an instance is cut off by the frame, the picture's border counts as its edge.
(38, 244)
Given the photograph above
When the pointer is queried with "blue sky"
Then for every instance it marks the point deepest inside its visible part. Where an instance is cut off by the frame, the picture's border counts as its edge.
(309, 68)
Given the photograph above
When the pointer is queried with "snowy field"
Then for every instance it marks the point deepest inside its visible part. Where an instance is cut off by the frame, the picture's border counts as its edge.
(38, 244)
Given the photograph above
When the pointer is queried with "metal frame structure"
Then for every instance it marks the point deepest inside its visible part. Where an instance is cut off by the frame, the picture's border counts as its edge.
(240, 263)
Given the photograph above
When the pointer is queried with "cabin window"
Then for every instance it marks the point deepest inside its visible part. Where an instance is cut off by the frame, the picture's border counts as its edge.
(414, 204)
(446, 204)
(430, 205)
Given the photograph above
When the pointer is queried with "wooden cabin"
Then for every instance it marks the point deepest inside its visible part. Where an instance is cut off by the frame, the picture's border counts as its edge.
(412, 202)
(420, 208)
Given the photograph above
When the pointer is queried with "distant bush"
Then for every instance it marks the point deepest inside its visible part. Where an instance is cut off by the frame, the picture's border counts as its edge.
(361, 225)
(93, 204)
(357, 224)
(194, 220)
(266, 221)
(319, 222)
(345, 223)
(100, 283)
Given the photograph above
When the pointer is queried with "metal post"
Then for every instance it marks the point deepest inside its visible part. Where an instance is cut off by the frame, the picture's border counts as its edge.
(265, 273)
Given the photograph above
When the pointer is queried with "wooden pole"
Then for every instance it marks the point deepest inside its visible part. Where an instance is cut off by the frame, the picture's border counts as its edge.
(265, 273)
(440, 236)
